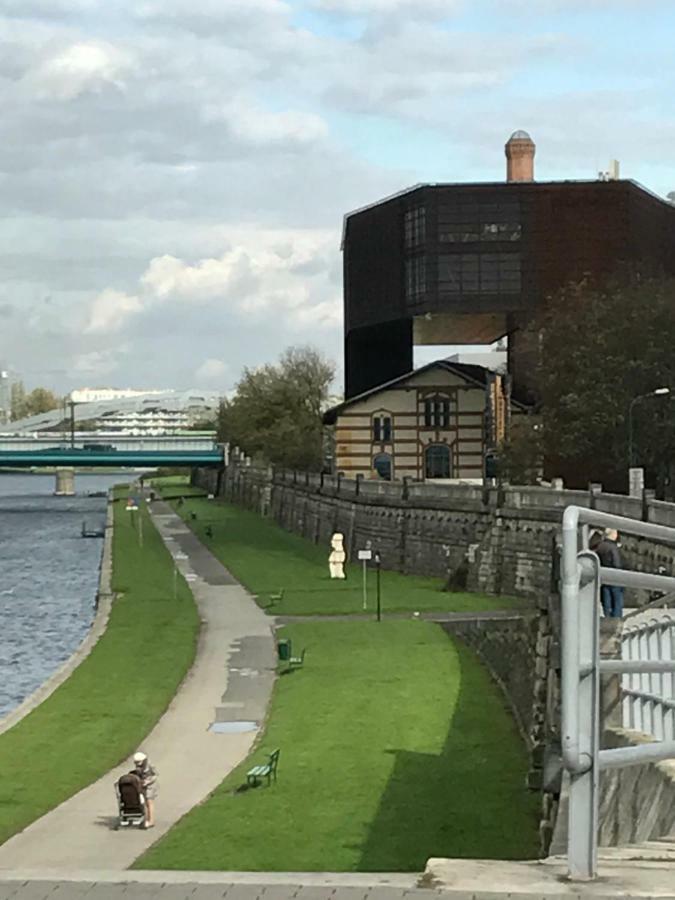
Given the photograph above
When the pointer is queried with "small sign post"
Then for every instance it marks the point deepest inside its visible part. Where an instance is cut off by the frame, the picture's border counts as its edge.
(636, 481)
(365, 556)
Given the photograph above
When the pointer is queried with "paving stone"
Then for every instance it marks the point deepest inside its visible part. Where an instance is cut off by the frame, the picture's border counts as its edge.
(321, 892)
(209, 891)
(282, 892)
(108, 891)
(385, 892)
(177, 891)
(66, 890)
(135, 891)
(8, 889)
(246, 891)
(35, 890)
(350, 892)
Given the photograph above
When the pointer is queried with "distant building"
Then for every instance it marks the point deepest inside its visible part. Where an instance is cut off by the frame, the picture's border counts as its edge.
(440, 264)
(440, 422)
(154, 414)
(92, 395)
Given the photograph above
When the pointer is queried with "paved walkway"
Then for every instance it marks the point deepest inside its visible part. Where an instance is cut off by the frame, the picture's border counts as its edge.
(230, 681)
(440, 617)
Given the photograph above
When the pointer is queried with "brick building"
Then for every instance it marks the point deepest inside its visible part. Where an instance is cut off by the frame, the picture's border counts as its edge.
(436, 423)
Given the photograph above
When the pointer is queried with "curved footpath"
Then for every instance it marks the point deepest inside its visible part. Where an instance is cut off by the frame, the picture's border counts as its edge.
(230, 683)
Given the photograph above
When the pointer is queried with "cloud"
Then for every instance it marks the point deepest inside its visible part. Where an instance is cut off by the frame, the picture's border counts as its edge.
(288, 275)
(421, 9)
(78, 68)
(174, 173)
(110, 310)
(99, 362)
(255, 126)
(46, 9)
(211, 370)
(233, 16)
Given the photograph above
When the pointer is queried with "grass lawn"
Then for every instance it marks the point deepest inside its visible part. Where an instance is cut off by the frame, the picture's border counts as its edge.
(395, 746)
(113, 699)
(265, 558)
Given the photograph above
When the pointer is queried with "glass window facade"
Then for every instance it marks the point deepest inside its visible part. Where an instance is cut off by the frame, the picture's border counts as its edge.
(473, 273)
(415, 228)
(415, 277)
(478, 222)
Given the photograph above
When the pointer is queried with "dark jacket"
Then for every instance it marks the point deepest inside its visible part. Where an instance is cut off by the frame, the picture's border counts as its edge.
(609, 554)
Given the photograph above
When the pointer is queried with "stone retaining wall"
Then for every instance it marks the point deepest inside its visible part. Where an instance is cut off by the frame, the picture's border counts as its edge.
(500, 541)
(636, 803)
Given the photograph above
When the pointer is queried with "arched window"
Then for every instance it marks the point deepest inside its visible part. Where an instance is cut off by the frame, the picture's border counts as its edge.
(437, 461)
(382, 465)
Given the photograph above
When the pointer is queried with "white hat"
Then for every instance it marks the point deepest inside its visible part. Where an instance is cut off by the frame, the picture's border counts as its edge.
(139, 757)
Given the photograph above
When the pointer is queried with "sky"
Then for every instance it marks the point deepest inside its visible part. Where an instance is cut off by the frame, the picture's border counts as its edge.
(174, 173)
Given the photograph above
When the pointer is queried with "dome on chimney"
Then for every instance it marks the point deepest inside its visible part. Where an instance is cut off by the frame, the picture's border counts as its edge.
(520, 135)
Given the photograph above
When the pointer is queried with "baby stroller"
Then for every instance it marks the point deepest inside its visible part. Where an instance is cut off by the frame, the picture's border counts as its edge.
(130, 800)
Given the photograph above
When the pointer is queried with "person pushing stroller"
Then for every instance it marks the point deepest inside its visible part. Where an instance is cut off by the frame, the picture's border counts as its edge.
(148, 776)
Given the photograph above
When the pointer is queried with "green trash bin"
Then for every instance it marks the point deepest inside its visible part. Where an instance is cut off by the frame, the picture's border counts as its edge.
(284, 650)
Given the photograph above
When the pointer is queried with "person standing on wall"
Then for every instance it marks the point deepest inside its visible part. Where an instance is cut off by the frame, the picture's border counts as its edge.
(609, 554)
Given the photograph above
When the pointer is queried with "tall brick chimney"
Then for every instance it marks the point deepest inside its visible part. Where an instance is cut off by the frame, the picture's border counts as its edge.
(519, 151)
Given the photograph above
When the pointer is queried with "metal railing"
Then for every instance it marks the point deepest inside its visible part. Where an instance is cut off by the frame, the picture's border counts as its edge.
(649, 697)
(582, 576)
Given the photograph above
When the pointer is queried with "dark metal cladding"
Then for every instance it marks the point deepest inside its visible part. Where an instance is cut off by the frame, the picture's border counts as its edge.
(487, 254)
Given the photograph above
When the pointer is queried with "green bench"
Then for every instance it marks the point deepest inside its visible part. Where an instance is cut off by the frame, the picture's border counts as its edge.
(285, 654)
(276, 598)
(269, 771)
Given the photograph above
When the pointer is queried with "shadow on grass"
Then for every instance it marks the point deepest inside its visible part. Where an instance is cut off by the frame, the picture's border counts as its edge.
(468, 802)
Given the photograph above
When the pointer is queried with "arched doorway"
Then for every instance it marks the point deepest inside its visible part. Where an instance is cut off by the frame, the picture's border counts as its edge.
(437, 461)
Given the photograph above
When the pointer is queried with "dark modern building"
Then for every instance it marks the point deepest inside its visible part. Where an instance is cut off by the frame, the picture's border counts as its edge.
(470, 263)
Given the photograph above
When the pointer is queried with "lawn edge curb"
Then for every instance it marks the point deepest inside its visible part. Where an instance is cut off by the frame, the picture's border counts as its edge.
(105, 598)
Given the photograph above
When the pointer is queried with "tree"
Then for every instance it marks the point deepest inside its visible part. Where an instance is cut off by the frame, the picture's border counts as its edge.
(38, 401)
(519, 458)
(275, 414)
(17, 401)
(599, 348)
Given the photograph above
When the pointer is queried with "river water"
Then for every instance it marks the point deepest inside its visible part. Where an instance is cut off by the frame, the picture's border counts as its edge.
(48, 576)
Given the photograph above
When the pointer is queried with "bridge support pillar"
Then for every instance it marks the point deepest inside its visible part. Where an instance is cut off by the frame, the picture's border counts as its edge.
(65, 483)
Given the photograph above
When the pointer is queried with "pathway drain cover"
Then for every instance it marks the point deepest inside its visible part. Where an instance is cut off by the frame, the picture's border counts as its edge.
(233, 727)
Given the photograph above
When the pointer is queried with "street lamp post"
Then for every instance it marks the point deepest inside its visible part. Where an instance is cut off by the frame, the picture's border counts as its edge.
(655, 393)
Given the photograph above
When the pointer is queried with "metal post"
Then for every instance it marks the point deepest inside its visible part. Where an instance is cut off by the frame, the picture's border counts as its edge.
(583, 708)
(377, 565)
(72, 424)
(175, 581)
(365, 595)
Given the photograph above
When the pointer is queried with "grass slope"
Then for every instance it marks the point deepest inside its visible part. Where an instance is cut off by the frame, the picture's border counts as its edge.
(112, 700)
(395, 746)
(265, 558)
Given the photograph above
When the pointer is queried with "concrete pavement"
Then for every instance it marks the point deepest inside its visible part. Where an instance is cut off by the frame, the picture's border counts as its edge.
(230, 683)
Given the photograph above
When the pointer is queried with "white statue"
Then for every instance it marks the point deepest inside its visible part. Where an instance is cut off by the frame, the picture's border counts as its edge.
(336, 560)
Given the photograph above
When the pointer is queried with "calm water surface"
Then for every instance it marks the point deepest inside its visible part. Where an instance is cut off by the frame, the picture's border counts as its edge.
(48, 576)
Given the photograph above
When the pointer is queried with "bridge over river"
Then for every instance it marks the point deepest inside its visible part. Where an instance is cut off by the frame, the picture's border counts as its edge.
(90, 451)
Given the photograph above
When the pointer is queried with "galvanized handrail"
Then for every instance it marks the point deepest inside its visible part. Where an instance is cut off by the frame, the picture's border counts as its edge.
(649, 693)
(581, 578)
